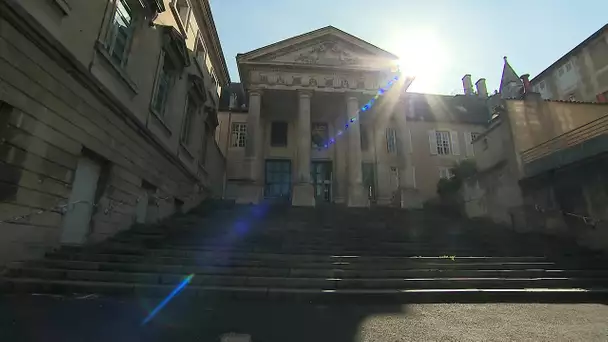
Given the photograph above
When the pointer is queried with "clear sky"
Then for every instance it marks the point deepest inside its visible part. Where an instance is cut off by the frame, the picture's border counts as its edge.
(440, 39)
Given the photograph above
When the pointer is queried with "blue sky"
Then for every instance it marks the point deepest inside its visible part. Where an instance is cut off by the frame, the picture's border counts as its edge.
(441, 39)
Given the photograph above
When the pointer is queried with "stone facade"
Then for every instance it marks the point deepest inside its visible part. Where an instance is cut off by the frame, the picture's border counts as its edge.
(541, 167)
(108, 111)
(580, 75)
(307, 88)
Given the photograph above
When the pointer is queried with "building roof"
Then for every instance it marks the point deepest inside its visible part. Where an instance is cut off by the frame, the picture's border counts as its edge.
(241, 98)
(575, 50)
(508, 77)
(459, 108)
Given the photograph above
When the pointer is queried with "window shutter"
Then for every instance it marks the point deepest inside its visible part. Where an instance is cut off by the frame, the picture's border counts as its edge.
(455, 146)
(468, 141)
(433, 142)
(410, 147)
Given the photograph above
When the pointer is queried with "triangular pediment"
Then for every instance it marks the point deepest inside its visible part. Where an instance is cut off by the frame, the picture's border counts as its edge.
(325, 47)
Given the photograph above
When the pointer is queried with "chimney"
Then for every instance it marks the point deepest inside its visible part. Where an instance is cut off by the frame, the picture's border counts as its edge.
(482, 90)
(527, 86)
(467, 84)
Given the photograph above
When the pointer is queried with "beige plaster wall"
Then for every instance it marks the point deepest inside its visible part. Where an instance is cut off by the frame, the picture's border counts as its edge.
(535, 121)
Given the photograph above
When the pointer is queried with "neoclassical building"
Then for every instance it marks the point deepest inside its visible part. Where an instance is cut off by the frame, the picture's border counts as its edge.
(283, 128)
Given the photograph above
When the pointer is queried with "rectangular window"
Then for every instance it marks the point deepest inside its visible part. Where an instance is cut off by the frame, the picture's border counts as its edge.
(318, 134)
(391, 140)
(278, 134)
(189, 113)
(239, 134)
(363, 137)
(200, 52)
(443, 142)
(120, 32)
(163, 85)
(445, 172)
(182, 9)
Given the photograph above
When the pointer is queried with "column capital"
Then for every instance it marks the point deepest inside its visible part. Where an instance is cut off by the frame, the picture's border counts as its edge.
(304, 93)
(351, 96)
(255, 91)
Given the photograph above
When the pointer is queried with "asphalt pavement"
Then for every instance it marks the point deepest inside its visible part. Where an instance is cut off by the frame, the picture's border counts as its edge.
(90, 318)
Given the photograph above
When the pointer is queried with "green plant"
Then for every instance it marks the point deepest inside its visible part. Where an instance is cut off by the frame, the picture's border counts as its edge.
(460, 172)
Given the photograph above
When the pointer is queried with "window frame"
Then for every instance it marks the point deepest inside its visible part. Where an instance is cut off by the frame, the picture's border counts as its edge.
(238, 136)
(190, 111)
(324, 136)
(183, 25)
(112, 32)
(391, 140)
(363, 137)
(445, 146)
(161, 71)
(445, 172)
(200, 42)
(275, 134)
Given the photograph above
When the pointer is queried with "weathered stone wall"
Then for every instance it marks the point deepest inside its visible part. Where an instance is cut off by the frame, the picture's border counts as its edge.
(53, 115)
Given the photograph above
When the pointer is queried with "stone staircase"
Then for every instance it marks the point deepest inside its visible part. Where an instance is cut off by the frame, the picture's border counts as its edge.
(326, 253)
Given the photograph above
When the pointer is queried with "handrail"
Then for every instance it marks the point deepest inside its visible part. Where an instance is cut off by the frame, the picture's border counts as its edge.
(578, 135)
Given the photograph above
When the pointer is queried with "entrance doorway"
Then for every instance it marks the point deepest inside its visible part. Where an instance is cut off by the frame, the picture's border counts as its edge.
(321, 175)
(369, 180)
(278, 179)
(76, 222)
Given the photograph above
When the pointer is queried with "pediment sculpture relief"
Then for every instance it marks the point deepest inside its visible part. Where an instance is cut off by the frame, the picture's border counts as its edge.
(328, 52)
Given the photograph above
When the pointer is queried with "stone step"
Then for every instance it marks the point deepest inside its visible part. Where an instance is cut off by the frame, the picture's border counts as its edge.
(335, 272)
(388, 264)
(68, 287)
(205, 253)
(325, 283)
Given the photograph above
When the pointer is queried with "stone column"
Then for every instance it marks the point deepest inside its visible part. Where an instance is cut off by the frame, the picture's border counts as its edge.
(254, 150)
(357, 195)
(340, 181)
(303, 192)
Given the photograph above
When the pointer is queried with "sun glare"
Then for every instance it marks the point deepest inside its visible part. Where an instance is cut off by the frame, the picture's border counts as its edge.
(422, 55)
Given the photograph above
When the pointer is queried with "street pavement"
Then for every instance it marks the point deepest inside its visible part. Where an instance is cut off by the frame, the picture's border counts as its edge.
(90, 318)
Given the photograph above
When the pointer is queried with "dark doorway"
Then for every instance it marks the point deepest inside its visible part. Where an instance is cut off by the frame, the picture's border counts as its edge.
(321, 175)
(278, 179)
(369, 180)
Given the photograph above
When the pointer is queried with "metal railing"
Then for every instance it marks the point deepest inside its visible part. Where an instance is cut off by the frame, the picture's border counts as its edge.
(574, 137)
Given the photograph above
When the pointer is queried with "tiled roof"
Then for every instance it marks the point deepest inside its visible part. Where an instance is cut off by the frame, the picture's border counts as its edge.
(458, 108)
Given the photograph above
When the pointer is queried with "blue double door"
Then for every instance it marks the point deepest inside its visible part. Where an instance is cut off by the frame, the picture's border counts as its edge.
(278, 177)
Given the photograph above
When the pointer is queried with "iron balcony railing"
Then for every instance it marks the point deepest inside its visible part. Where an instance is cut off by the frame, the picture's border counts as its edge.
(574, 137)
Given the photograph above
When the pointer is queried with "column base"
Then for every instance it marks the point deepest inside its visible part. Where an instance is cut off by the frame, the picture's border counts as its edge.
(410, 199)
(357, 196)
(250, 194)
(303, 195)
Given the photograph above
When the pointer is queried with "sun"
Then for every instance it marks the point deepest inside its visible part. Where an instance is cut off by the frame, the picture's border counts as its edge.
(421, 54)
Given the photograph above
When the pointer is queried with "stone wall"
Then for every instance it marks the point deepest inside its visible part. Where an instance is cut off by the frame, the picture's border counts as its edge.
(557, 202)
(55, 112)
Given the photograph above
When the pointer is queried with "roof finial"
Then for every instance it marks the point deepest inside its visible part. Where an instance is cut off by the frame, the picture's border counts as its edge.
(505, 58)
